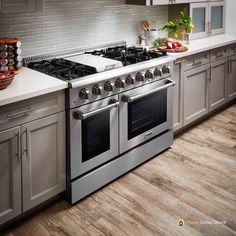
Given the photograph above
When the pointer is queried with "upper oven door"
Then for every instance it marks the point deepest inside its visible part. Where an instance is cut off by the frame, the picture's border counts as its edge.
(93, 135)
(145, 112)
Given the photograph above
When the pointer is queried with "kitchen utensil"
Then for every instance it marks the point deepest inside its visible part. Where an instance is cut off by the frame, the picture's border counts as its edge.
(150, 37)
(147, 25)
(143, 26)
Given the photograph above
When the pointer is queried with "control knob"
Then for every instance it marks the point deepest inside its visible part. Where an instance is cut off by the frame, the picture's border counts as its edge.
(129, 80)
(165, 69)
(149, 75)
(120, 83)
(109, 86)
(97, 89)
(84, 93)
(140, 77)
(157, 72)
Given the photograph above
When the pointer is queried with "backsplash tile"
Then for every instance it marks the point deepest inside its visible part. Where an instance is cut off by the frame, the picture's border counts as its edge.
(66, 25)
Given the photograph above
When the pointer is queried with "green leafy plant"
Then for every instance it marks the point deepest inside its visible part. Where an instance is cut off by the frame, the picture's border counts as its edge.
(185, 23)
(159, 42)
(171, 28)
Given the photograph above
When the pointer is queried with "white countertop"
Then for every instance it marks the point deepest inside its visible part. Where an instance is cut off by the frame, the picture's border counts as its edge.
(201, 45)
(29, 83)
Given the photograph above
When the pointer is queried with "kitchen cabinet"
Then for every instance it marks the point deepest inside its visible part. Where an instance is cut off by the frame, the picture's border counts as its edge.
(232, 78)
(32, 147)
(196, 95)
(155, 2)
(177, 96)
(208, 18)
(10, 174)
(43, 159)
(20, 6)
(217, 85)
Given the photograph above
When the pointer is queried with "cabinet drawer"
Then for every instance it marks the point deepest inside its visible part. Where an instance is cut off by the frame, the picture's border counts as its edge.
(232, 49)
(31, 109)
(195, 61)
(218, 54)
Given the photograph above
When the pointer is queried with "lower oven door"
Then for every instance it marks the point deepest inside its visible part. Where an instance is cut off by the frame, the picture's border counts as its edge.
(93, 135)
(145, 112)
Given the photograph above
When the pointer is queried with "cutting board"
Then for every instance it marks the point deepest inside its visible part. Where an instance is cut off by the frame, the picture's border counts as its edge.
(100, 63)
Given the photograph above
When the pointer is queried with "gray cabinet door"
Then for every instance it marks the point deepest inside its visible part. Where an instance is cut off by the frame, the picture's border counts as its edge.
(43, 160)
(217, 88)
(177, 98)
(195, 93)
(232, 78)
(20, 6)
(10, 174)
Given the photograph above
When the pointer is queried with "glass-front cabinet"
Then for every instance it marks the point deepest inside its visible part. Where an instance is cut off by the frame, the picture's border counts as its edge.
(217, 16)
(200, 15)
(208, 18)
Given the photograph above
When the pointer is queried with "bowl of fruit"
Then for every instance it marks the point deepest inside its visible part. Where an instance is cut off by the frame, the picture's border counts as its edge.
(6, 77)
(173, 45)
(169, 45)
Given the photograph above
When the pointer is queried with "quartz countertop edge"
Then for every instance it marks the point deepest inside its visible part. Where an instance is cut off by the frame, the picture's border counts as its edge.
(28, 84)
(205, 44)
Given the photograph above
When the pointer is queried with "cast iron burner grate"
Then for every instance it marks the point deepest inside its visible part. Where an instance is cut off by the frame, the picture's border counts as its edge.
(127, 55)
(62, 69)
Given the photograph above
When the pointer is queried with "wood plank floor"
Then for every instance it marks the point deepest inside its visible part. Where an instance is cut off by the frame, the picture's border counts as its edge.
(195, 180)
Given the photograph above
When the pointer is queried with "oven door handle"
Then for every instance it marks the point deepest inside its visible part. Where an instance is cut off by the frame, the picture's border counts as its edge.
(128, 99)
(79, 115)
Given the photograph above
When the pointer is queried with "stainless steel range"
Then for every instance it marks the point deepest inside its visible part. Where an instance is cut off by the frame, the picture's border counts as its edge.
(119, 112)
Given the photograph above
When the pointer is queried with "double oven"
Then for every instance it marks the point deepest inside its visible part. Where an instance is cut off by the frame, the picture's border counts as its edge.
(110, 127)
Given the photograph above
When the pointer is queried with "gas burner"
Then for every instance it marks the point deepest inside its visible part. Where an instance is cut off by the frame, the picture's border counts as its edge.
(62, 69)
(127, 55)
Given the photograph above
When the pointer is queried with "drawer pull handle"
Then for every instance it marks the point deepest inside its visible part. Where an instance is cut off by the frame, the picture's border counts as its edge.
(219, 54)
(19, 114)
(197, 62)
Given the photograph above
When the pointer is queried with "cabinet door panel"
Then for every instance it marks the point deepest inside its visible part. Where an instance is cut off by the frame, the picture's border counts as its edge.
(217, 93)
(195, 93)
(232, 78)
(10, 174)
(177, 98)
(217, 16)
(43, 162)
(200, 15)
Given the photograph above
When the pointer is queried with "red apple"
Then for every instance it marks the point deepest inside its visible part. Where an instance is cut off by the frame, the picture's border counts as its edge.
(174, 45)
(169, 45)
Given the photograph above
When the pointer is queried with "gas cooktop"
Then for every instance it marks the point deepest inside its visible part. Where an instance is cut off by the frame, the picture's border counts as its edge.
(62, 69)
(127, 55)
(92, 62)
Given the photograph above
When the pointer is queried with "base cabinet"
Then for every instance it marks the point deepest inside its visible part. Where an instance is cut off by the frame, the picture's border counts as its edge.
(195, 93)
(32, 168)
(43, 160)
(232, 78)
(10, 174)
(217, 85)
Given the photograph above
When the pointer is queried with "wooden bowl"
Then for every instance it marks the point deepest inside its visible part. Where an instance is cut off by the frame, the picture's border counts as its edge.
(180, 49)
(5, 82)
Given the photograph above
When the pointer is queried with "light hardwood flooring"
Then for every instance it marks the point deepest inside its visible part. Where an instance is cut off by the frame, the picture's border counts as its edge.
(195, 180)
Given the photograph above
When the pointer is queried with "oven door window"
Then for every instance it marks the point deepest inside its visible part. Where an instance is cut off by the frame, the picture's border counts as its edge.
(95, 135)
(146, 113)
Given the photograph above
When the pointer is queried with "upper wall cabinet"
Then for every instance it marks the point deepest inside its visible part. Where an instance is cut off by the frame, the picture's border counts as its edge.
(155, 2)
(20, 6)
(208, 18)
